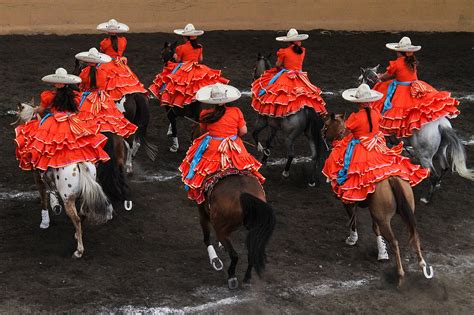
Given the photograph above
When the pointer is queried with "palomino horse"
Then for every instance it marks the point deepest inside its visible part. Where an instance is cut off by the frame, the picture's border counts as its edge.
(173, 112)
(436, 140)
(71, 183)
(392, 195)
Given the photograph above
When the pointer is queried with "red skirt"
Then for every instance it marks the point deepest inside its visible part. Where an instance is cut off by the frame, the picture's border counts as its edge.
(99, 109)
(180, 88)
(413, 106)
(121, 80)
(372, 162)
(58, 141)
(219, 155)
(287, 95)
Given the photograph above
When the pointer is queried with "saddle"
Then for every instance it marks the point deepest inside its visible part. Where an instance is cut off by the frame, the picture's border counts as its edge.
(213, 179)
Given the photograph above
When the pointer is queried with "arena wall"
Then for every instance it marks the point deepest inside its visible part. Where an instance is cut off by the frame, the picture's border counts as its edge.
(72, 16)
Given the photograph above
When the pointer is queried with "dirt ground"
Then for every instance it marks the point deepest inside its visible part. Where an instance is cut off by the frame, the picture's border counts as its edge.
(152, 260)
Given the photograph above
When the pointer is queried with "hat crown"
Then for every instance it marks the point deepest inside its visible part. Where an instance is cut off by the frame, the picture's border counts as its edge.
(113, 22)
(292, 33)
(93, 52)
(363, 91)
(218, 92)
(61, 71)
(189, 28)
(404, 42)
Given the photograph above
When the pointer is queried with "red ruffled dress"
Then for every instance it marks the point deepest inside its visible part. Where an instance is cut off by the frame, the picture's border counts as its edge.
(354, 177)
(282, 92)
(224, 150)
(58, 140)
(120, 78)
(96, 106)
(414, 102)
(179, 82)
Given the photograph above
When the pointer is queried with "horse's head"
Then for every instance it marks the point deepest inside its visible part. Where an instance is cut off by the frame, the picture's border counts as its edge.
(25, 112)
(334, 127)
(369, 76)
(262, 64)
(168, 51)
(78, 66)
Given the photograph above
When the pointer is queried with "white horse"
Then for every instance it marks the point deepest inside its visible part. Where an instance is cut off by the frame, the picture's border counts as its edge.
(436, 139)
(70, 183)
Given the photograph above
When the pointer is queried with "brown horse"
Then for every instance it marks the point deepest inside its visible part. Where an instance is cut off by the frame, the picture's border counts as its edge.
(233, 201)
(391, 196)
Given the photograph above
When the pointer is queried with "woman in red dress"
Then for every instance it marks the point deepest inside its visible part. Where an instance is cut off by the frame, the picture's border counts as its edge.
(286, 89)
(221, 147)
(178, 83)
(96, 106)
(409, 103)
(120, 78)
(362, 159)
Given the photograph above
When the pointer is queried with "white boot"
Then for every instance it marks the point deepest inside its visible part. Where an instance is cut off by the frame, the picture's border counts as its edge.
(382, 247)
(44, 219)
(170, 131)
(175, 145)
(352, 238)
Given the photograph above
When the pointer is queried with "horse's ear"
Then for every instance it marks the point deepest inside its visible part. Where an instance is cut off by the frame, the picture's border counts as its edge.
(362, 70)
(377, 67)
(32, 102)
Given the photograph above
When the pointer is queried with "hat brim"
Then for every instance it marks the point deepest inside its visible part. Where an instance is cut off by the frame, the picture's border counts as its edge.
(61, 79)
(349, 95)
(182, 32)
(204, 95)
(84, 56)
(297, 38)
(119, 28)
(394, 46)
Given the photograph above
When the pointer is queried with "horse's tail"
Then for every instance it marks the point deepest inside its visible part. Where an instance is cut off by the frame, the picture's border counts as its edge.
(316, 125)
(143, 118)
(404, 208)
(95, 205)
(111, 176)
(259, 219)
(454, 151)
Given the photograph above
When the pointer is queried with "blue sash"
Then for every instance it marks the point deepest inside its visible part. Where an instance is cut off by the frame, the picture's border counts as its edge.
(172, 72)
(199, 153)
(83, 98)
(275, 77)
(387, 104)
(45, 117)
(342, 174)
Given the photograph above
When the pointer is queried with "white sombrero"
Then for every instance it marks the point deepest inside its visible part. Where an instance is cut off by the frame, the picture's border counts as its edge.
(403, 45)
(112, 26)
(93, 56)
(217, 94)
(362, 94)
(61, 76)
(189, 30)
(292, 36)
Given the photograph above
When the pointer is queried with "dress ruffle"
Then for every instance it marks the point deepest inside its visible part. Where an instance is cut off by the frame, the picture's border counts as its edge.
(287, 95)
(414, 106)
(372, 162)
(180, 88)
(121, 80)
(99, 109)
(60, 140)
(218, 156)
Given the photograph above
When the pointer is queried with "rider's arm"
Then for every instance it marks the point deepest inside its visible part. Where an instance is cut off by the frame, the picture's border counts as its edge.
(243, 131)
(385, 76)
(200, 57)
(280, 58)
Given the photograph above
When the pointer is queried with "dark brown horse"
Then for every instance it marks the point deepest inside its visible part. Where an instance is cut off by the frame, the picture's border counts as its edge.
(237, 200)
(391, 196)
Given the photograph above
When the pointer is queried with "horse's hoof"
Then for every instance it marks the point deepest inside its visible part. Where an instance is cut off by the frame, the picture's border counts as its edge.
(260, 147)
(424, 200)
(57, 210)
(401, 281)
(312, 185)
(128, 205)
(173, 149)
(383, 257)
(430, 274)
(352, 239)
(77, 255)
(233, 283)
(285, 174)
(217, 264)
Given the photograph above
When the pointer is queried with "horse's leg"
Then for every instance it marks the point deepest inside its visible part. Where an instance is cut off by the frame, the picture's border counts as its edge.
(214, 260)
(129, 159)
(268, 145)
(174, 131)
(44, 200)
(351, 212)
(71, 211)
(290, 147)
(234, 258)
(260, 124)
(248, 273)
(381, 245)
(119, 150)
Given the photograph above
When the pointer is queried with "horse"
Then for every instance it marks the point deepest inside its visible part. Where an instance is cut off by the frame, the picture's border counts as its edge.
(436, 140)
(263, 64)
(392, 195)
(71, 183)
(191, 111)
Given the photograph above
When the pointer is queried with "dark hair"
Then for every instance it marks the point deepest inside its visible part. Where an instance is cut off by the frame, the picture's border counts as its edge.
(92, 77)
(410, 60)
(194, 43)
(369, 117)
(214, 116)
(297, 49)
(114, 40)
(65, 100)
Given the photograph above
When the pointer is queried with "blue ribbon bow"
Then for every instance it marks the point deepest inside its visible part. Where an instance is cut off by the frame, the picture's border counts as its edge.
(172, 72)
(387, 104)
(275, 77)
(200, 152)
(342, 174)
